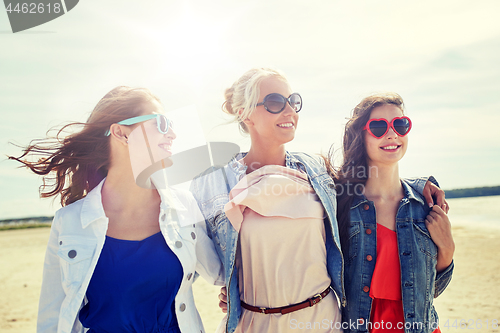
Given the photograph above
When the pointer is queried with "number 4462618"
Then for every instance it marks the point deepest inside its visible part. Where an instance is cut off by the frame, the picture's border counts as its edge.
(471, 324)
(33, 8)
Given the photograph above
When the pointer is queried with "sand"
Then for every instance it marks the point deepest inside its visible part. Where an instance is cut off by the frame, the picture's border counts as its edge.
(472, 296)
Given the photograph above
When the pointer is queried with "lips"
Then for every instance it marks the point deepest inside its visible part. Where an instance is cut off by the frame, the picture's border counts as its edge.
(166, 146)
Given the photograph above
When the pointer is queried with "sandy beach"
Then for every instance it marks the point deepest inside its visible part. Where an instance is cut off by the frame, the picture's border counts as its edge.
(470, 302)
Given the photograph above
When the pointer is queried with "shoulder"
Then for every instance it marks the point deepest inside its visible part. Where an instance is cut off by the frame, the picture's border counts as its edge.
(314, 164)
(307, 158)
(189, 212)
(71, 211)
(416, 199)
(68, 218)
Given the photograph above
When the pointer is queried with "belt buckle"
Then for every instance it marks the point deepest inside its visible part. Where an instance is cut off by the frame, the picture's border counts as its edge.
(315, 300)
(263, 310)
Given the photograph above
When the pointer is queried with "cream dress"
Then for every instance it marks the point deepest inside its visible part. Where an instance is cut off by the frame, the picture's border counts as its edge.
(281, 255)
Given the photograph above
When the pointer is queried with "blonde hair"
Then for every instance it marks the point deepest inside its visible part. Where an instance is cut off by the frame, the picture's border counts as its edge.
(244, 94)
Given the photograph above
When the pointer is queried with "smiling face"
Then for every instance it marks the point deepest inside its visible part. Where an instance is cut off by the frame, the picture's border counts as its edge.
(390, 148)
(273, 129)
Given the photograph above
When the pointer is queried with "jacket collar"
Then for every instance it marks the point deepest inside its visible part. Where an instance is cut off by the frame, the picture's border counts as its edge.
(92, 209)
(239, 168)
(170, 200)
(409, 194)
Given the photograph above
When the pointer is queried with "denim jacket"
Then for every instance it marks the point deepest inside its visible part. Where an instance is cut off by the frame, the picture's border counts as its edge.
(77, 237)
(420, 283)
(211, 190)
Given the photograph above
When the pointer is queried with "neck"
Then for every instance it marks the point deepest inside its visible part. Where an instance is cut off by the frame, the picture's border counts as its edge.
(120, 191)
(259, 155)
(383, 182)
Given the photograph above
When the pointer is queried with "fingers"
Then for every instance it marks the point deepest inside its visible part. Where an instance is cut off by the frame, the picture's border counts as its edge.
(223, 306)
(440, 199)
(427, 194)
(446, 207)
(223, 298)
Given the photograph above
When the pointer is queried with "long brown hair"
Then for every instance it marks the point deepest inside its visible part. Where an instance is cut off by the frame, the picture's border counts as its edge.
(354, 171)
(73, 165)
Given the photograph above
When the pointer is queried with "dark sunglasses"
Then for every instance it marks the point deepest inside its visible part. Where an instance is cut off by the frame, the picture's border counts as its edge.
(379, 127)
(275, 103)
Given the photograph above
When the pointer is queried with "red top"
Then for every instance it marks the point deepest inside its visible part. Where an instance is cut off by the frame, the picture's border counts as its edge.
(387, 313)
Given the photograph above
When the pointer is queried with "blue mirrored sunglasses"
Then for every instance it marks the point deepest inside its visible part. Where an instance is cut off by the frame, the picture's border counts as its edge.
(162, 122)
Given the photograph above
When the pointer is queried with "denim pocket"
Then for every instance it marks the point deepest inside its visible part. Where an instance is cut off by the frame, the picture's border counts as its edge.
(75, 255)
(424, 240)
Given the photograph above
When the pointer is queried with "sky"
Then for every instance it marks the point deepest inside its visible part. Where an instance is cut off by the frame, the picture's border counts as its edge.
(441, 57)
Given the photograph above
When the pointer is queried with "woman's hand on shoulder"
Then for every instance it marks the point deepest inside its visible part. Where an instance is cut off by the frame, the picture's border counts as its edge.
(439, 227)
(432, 194)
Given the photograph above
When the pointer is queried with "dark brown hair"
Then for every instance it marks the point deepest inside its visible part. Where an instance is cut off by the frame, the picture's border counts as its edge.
(72, 165)
(354, 169)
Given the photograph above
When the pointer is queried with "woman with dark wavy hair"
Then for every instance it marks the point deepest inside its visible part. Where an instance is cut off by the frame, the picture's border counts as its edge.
(398, 251)
(120, 257)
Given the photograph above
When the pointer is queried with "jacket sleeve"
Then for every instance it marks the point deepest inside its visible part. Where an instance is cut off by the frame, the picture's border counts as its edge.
(443, 279)
(52, 293)
(208, 264)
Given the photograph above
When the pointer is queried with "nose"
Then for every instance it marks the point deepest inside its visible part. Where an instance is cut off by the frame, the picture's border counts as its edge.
(391, 133)
(288, 111)
(171, 134)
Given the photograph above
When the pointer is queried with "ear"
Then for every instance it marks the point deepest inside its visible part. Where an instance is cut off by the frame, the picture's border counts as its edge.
(120, 133)
(246, 121)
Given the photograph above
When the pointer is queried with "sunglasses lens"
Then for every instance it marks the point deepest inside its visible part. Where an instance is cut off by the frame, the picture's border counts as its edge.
(163, 124)
(401, 126)
(274, 103)
(296, 102)
(378, 128)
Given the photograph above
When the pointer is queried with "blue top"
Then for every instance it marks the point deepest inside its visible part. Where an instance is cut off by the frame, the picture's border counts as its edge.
(133, 287)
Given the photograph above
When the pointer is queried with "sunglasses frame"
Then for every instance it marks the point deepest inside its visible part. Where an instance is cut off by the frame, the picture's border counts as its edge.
(284, 104)
(389, 125)
(139, 119)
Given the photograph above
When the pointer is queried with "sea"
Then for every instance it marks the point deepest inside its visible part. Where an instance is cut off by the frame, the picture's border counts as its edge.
(480, 212)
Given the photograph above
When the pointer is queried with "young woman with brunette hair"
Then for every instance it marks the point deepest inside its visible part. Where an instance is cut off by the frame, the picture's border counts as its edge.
(120, 258)
(398, 251)
(271, 215)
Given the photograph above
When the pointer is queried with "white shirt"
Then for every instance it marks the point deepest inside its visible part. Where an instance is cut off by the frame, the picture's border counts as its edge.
(77, 237)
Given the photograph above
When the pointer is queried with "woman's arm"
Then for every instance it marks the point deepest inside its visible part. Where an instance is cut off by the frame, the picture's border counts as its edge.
(208, 264)
(52, 293)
